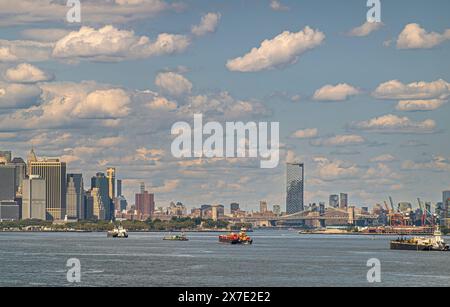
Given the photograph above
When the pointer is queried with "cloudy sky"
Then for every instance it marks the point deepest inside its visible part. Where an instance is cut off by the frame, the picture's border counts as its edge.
(364, 106)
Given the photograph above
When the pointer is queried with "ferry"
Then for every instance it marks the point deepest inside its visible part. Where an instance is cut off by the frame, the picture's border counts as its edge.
(234, 238)
(118, 232)
(435, 243)
(181, 237)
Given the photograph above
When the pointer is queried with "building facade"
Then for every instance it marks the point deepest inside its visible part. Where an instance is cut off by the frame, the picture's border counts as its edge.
(75, 197)
(101, 182)
(34, 199)
(145, 204)
(343, 201)
(7, 182)
(295, 188)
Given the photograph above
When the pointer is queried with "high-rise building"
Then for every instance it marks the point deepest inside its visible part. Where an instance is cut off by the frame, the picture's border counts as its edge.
(276, 209)
(100, 181)
(7, 182)
(343, 201)
(34, 198)
(119, 187)
(120, 203)
(145, 204)
(234, 207)
(9, 210)
(294, 187)
(75, 198)
(54, 173)
(21, 173)
(263, 207)
(89, 205)
(98, 207)
(334, 201)
(216, 212)
(142, 187)
(111, 175)
(446, 205)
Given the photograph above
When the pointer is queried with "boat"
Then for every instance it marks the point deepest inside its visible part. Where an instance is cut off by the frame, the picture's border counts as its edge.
(181, 237)
(236, 238)
(435, 243)
(118, 232)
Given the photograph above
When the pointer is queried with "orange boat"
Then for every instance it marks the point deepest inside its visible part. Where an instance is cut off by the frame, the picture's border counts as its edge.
(234, 238)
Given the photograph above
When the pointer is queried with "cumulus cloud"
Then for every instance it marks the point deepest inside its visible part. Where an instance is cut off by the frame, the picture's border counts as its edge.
(27, 73)
(383, 158)
(18, 96)
(207, 25)
(414, 36)
(395, 89)
(111, 103)
(340, 140)
(420, 105)
(161, 103)
(305, 133)
(44, 35)
(340, 92)
(24, 50)
(282, 50)
(395, 124)
(276, 5)
(365, 29)
(111, 44)
(336, 170)
(173, 83)
(438, 163)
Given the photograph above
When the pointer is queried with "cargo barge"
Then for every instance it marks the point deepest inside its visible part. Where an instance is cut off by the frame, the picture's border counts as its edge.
(234, 238)
(435, 243)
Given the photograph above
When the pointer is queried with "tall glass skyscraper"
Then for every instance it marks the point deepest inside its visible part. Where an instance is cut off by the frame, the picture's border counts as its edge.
(294, 187)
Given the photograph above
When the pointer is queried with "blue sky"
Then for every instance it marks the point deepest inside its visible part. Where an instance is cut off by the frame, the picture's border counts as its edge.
(413, 161)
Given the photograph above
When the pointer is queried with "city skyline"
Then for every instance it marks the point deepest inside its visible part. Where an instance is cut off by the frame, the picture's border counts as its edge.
(364, 108)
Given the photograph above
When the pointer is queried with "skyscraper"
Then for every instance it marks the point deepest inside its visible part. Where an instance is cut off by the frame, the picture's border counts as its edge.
(334, 201)
(5, 156)
(263, 207)
(145, 204)
(446, 205)
(54, 173)
(21, 172)
(111, 175)
(34, 198)
(75, 197)
(100, 181)
(7, 182)
(294, 187)
(98, 207)
(343, 201)
(119, 187)
(234, 207)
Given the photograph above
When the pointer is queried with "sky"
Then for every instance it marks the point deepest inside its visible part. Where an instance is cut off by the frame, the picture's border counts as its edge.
(363, 105)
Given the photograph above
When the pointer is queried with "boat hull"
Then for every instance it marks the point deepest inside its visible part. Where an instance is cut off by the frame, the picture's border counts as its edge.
(415, 247)
(235, 241)
(115, 235)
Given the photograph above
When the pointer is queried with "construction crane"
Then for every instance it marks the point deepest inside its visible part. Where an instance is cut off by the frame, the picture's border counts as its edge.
(392, 204)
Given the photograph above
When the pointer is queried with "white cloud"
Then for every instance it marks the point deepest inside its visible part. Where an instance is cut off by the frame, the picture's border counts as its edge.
(383, 158)
(111, 103)
(111, 44)
(365, 29)
(336, 170)
(17, 96)
(161, 103)
(395, 124)
(414, 36)
(305, 133)
(27, 73)
(23, 50)
(420, 105)
(282, 50)
(340, 140)
(173, 83)
(438, 163)
(207, 25)
(395, 89)
(340, 92)
(276, 5)
(44, 35)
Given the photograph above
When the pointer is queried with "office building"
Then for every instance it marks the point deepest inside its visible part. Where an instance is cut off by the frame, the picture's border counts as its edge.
(9, 211)
(7, 182)
(276, 209)
(54, 173)
(21, 173)
(343, 201)
(98, 207)
(334, 201)
(234, 207)
(446, 204)
(217, 211)
(100, 181)
(111, 175)
(119, 187)
(34, 199)
(145, 203)
(88, 205)
(294, 187)
(5, 156)
(75, 198)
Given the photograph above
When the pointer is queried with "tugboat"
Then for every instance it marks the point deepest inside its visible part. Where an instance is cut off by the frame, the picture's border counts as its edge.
(181, 237)
(118, 232)
(435, 243)
(234, 238)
